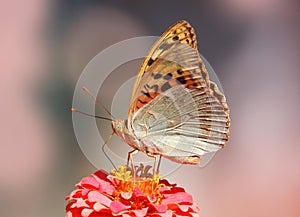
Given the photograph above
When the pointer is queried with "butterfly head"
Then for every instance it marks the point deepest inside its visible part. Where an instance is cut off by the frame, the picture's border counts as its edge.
(119, 127)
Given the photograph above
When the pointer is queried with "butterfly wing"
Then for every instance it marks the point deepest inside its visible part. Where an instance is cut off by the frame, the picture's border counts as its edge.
(163, 63)
(174, 102)
(182, 124)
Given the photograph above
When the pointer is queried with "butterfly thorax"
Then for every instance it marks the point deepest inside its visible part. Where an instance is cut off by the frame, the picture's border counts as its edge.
(121, 129)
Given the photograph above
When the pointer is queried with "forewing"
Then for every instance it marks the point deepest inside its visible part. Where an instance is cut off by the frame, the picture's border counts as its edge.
(173, 60)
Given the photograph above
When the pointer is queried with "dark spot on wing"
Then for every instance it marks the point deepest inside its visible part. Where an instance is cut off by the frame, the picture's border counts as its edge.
(156, 75)
(148, 88)
(146, 94)
(175, 37)
(154, 87)
(150, 62)
(179, 72)
(181, 80)
(141, 101)
(168, 76)
(165, 86)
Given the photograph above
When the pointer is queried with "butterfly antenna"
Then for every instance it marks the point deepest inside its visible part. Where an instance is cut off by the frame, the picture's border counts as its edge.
(94, 116)
(97, 101)
(107, 140)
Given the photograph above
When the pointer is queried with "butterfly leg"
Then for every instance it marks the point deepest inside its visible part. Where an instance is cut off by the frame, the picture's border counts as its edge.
(158, 165)
(130, 158)
(155, 170)
(103, 149)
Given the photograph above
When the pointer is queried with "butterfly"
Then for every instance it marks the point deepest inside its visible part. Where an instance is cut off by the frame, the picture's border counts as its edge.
(175, 111)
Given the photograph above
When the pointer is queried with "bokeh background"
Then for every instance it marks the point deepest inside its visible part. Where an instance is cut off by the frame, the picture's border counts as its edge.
(252, 45)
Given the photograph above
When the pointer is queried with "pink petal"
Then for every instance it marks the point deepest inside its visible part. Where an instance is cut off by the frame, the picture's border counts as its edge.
(183, 208)
(107, 188)
(179, 197)
(104, 185)
(164, 188)
(69, 214)
(84, 192)
(126, 195)
(140, 212)
(86, 212)
(159, 207)
(81, 203)
(95, 196)
(89, 182)
(117, 207)
(138, 193)
(195, 207)
(98, 206)
(113, 180)
(151, 199)
(168, 213)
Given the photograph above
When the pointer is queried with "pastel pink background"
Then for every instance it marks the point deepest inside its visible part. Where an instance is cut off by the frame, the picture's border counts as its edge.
(252, 45)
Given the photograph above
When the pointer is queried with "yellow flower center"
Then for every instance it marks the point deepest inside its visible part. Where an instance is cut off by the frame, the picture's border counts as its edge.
(149, 186)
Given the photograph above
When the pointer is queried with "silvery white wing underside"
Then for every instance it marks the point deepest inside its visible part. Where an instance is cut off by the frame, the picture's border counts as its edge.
(181, 124)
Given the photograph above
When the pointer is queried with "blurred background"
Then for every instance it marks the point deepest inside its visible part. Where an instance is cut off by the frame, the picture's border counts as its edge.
(253, 46)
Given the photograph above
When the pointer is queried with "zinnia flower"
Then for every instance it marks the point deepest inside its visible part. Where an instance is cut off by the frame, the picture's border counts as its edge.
(120, 194)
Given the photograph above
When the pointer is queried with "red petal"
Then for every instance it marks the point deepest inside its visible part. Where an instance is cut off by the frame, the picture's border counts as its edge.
(117, 207)
(75, 194)
(74, 212)
(101, 174)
